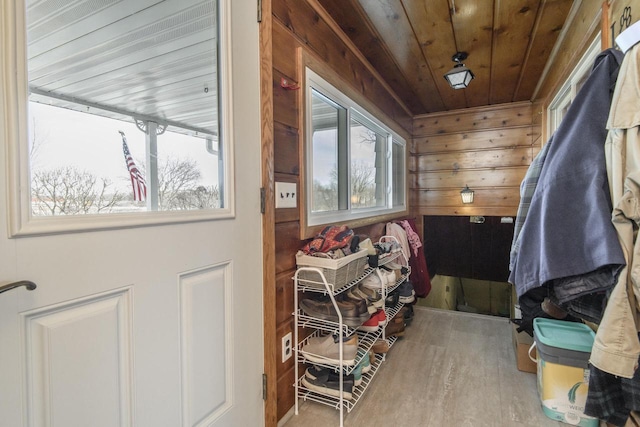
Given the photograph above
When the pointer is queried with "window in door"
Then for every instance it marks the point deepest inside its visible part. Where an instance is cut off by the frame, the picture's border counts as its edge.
(125, 106)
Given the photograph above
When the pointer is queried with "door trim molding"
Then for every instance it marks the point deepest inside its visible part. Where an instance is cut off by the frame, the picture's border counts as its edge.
(268, 218)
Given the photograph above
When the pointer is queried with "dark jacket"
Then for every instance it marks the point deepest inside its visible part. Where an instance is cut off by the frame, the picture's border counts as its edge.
(568, 230)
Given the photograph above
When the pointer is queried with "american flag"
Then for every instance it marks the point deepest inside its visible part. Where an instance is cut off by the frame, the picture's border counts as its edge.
(137, 180)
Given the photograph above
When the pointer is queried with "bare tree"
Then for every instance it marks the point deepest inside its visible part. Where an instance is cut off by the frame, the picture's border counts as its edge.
(363, 189)
(36, 142)
(69, 191)
(178, 187)
(363, 186)
(200, 197)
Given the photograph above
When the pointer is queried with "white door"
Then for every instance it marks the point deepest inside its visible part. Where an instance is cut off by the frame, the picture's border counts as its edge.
(154, 325)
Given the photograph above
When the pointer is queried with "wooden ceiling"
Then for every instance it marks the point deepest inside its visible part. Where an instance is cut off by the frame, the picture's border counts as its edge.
(411, 42)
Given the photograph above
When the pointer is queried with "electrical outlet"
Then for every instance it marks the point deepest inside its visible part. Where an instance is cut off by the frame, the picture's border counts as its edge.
(287, 351)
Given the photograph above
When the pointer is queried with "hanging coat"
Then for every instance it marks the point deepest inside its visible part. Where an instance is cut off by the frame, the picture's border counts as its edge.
(616, 348)
(568, 231)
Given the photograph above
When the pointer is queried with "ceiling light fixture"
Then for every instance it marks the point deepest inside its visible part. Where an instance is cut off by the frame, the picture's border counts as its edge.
(467, 195)
(459, 76)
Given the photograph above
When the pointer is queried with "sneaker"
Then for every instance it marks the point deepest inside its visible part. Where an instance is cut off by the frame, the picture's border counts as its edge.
(315, 372)
(373, 282)
(371, 294)
(379, 318)
(354, 294)
(396, 266)
(365, 361)
(325, 310)
(326, 349)
(370, 325)
(394, 272)
(392, 299)
(357, 375)
(326, 382)
(406, 294)
(388, 277)
(361, 303)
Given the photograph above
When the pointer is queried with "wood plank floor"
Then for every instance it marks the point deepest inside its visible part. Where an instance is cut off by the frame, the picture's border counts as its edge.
(450, 369)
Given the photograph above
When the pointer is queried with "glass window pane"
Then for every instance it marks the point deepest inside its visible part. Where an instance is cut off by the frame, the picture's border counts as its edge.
(325, 118)
(368, 166)
(94, 91)
(353, 171)
(83, 169)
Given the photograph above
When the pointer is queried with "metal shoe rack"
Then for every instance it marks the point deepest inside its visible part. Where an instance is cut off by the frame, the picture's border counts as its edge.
(322, 327)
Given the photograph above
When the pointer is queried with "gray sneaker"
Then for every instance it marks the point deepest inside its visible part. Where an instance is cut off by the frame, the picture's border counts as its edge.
(325, 310)
(325, 381)
(326, 350)
(406, 294)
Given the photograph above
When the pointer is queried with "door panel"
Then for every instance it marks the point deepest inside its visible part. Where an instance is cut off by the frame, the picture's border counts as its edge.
(73, 349)
(205, 299)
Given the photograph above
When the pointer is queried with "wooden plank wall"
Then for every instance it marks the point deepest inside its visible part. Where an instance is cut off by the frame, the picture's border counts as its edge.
(488, 148)
(301, 24)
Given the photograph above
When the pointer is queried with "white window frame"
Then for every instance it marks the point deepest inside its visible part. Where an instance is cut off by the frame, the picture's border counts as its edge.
(14, 125)
(569, 88)
(315, 81)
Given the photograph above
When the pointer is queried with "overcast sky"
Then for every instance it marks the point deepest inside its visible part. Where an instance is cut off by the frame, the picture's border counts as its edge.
(92, 143)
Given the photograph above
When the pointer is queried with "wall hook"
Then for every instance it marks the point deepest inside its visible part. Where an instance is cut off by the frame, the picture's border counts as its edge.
(286, 84)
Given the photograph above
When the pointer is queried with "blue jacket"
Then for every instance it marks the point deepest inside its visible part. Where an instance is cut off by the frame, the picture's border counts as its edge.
(568, 230)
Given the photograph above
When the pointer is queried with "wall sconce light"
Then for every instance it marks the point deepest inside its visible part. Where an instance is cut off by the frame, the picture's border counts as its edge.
(466, 194)
(459, 76)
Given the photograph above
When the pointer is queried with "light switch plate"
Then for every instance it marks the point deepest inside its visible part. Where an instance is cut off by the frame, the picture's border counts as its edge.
(286, 195)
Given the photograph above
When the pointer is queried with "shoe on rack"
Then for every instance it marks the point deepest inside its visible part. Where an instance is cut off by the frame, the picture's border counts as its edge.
(406, 293)
(395, 327)
(407, 313)
(354, 294)
(314, 372)
(395, 268)
(372, 281)
(388, 277)
(371, 294)
(365, 360)
(379, 318)
(327, 382)
(360, 303)
(370, 325)
(392, 299)
(325, 310)
(326, 349)
(380, 346)
(357, 375)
